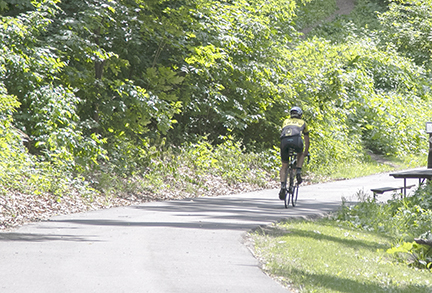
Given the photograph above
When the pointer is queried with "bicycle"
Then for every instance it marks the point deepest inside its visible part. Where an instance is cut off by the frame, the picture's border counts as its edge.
(291, 193)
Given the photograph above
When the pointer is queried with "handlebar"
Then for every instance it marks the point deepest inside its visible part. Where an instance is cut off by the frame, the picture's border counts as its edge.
(308, 158)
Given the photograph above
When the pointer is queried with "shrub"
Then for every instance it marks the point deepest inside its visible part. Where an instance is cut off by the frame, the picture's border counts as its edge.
(402, 219)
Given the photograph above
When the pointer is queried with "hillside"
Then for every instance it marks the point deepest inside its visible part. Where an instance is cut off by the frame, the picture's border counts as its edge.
(123, 103)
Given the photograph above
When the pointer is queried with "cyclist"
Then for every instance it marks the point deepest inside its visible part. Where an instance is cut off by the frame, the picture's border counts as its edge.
(291, 137)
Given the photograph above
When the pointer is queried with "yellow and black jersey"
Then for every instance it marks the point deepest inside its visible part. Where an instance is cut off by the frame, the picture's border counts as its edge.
(294, 127)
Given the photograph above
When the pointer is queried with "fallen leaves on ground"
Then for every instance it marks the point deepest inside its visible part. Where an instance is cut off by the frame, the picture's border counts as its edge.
(17, 208)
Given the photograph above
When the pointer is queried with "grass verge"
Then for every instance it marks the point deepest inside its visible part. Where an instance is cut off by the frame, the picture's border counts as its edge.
(372, 164)
(368, 247)
(322, 256)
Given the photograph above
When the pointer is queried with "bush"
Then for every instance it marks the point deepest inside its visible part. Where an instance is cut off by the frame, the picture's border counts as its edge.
(402, 219)
(194, 169)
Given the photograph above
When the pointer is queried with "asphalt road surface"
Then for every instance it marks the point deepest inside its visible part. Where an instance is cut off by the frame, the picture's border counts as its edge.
(182, 246)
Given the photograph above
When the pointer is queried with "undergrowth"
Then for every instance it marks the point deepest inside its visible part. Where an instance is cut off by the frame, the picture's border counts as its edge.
(193, 168)
(404, 220)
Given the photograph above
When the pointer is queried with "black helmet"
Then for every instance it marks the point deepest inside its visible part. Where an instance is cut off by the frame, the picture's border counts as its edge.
(296, 112)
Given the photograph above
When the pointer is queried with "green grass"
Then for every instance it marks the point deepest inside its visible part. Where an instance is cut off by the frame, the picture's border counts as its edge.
(370, 166)
(367, 247)
(321, 256)
(349, 171)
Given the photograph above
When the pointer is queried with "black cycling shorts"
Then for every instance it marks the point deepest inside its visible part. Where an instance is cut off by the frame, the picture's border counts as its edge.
(294, 142)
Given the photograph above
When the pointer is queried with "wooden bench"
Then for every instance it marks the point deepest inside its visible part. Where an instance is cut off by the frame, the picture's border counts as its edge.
(381, 190)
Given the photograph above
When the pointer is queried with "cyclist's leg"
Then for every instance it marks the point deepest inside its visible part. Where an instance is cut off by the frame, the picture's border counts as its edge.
(300, 159)
(283, 174)
(302, 151)
(284, 169)
(291, 174)
(283, 180)
(284, 154)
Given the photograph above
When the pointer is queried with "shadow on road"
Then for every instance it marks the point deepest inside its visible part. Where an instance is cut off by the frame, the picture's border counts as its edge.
(218, 213)
(29, 237)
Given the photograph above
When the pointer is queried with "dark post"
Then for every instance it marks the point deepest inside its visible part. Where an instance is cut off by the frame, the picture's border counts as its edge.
(429, 130)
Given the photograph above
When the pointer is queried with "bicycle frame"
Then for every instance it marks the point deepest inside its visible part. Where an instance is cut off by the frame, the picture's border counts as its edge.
(292, 190)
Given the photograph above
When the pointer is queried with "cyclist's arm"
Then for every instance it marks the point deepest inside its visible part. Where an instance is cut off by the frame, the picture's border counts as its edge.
(307, 143)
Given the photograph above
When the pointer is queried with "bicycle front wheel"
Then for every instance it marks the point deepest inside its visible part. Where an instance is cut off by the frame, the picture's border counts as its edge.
(291, 188)
(287, 198)
(294, 195)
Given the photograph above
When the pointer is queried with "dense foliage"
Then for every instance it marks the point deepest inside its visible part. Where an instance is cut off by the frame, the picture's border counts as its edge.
(111, 86)
(403, 220)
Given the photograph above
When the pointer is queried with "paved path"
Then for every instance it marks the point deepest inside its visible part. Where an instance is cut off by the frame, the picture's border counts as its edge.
(167, 247)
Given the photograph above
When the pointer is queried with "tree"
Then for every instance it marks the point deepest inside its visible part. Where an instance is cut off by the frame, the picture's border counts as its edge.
(235, 67)
(407, 26)
(47, 109)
